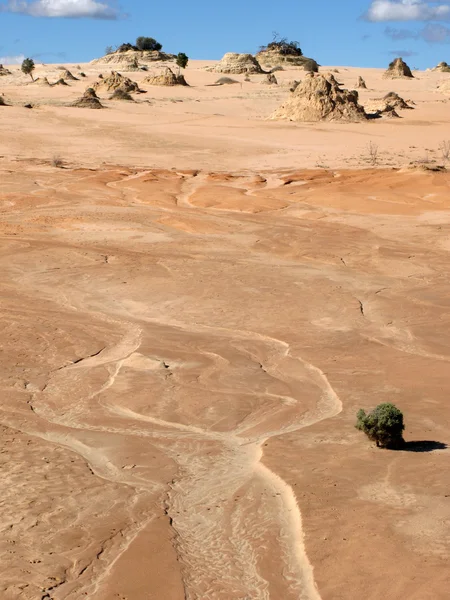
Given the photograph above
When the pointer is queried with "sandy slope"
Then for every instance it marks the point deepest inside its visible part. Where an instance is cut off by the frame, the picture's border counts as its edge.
(184, 350)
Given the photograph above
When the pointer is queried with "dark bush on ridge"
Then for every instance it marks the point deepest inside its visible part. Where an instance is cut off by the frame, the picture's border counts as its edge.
(282, 46)
(147, 43)
(125, 47)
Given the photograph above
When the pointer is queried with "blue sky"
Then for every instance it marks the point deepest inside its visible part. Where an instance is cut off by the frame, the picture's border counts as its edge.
(334, 32)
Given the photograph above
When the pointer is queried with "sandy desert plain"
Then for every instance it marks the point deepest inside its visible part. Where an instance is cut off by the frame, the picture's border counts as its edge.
(195, 302)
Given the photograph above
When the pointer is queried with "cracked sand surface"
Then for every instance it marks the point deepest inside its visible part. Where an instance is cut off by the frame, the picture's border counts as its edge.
(183, 355)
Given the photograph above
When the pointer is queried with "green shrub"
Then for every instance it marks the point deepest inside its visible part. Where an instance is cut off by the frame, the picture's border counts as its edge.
(182, 60)
(28, 67)
(383, 425)
(125, 47)
(148, 43)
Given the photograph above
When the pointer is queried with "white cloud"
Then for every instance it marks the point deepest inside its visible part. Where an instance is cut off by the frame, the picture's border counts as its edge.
(433, 33)
(62, 8)
(405, 53)
(408, 10)
(12, 60)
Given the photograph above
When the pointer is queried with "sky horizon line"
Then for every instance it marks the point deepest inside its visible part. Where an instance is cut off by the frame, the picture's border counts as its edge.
(359, 33)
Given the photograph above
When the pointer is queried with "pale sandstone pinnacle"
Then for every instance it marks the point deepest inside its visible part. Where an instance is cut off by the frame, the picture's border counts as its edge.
(88, 100)
(115, 81)
(236, 64)
(398, 69)
(168, 78)
(361, 84)
(41, 81)
(68, 75)
(319, 98)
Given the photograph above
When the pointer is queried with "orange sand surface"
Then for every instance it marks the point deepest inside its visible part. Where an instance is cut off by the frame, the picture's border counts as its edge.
(193, 309)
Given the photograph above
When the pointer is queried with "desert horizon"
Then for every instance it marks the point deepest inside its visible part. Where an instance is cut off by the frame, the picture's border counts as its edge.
(209, 268)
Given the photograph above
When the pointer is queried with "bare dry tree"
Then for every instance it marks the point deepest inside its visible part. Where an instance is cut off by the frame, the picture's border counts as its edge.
(372, 151)
(57, 162)
(444, 147)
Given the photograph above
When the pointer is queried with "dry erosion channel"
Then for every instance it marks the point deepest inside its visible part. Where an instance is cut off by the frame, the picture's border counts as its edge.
(189, 327)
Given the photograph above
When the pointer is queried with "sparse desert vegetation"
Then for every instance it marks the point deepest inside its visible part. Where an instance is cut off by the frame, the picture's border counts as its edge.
(28, 67)
(383, 425)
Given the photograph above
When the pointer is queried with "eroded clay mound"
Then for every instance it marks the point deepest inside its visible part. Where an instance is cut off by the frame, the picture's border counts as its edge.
(270, 79)
(41, 81)
(119, 94)
(398, 69)
(319, 98)
(397, 101)
(236, 64)
(4, 71)
(132, 58)
(88, 100)
(166, 78)
(443, 67)
(114, 81)
(273, 58)
(68, 75)
(388, 105)
(361, 84)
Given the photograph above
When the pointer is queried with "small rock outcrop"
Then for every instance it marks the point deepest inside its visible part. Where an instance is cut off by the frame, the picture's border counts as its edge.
(68, 75)
(166, 78)
(442, 67)
(273, 58)
(396, 101)
(361, 84)
(88, 100)
(319, 98)
(387, 106)
(2, 101)
(60, 82)
(114, 81)
(236, 64)
(270, 79)
(120, 94)
(41, 81)
(387, 112)
(398, 69)
(4, 71)
(127, 60)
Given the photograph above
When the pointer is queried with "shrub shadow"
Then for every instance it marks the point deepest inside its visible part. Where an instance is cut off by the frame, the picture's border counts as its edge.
(422, 446)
